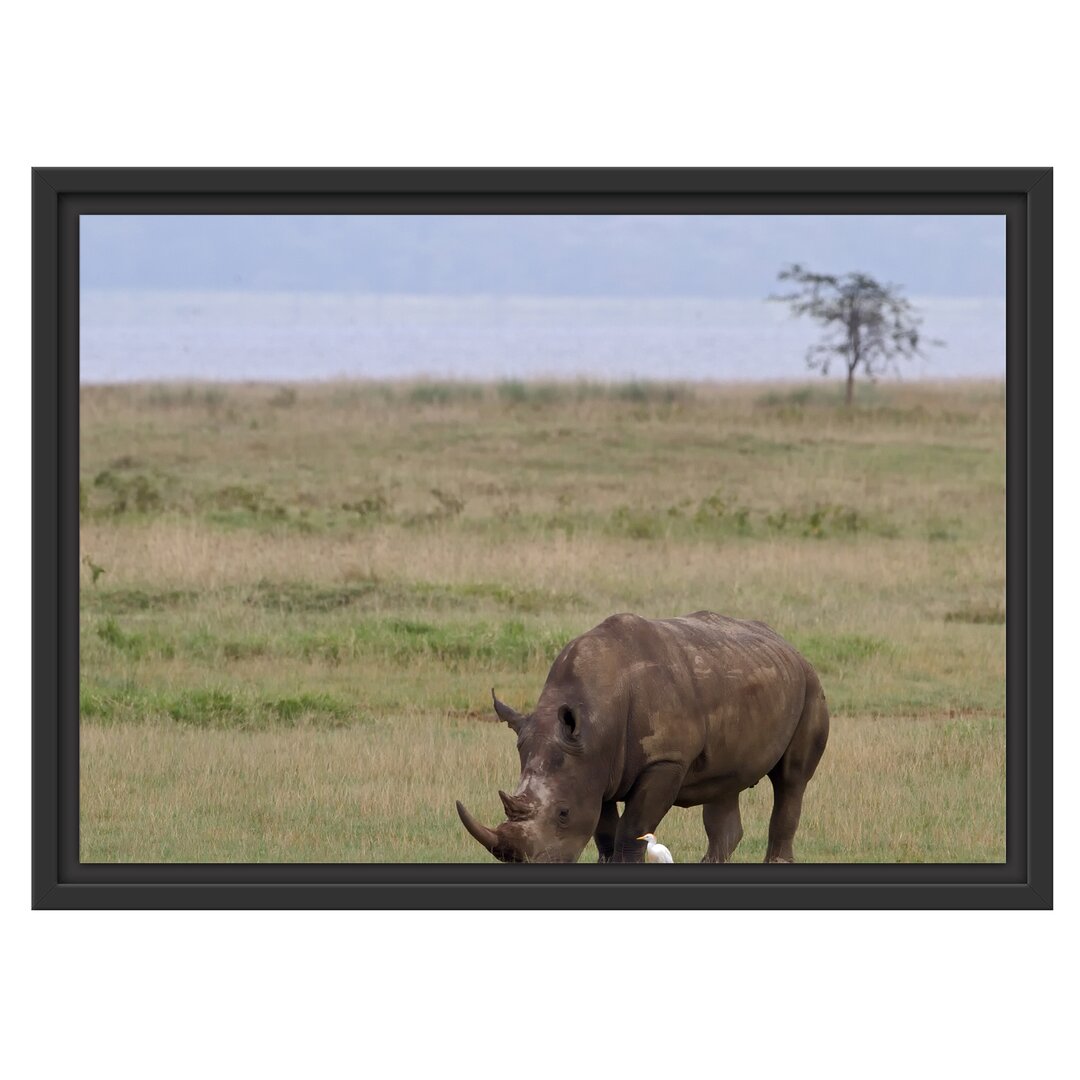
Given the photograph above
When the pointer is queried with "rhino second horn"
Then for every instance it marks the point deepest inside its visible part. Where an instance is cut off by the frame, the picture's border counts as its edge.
(481, 833)
(517, 807)
(509, 716)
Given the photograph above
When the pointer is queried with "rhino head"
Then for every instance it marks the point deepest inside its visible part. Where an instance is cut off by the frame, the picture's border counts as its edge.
(554, 811)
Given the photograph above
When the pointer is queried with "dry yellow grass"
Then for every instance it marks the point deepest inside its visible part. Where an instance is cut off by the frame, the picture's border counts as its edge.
(886, 791)
(295, 600)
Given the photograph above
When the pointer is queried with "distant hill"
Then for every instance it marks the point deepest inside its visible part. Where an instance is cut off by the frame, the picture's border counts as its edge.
(539, 256)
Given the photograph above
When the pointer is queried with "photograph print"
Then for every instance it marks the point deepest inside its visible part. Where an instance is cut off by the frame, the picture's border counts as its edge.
(541, 538)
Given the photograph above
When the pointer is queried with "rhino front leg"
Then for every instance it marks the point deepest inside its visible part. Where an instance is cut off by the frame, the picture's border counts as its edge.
(646, 803)
(606, 828)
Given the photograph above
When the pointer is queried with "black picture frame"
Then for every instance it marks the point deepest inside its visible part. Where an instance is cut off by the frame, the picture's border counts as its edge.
(1023, 196)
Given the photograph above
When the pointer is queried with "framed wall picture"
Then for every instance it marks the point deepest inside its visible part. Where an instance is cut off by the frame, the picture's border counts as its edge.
(545, 538)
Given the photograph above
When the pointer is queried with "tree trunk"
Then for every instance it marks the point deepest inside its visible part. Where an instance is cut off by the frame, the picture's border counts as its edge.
(853, 355)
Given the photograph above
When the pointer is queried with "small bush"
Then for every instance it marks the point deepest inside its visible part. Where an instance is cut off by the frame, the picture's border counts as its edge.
(636, 524)
(711, 509)
(125, 461)
(166, 396)
(137, 494)
(716, 514)
(825, 520)
(516, 392)
(323, 706)
(133, 645)
(238, 497)
(803, 395)
(207, 708)
(443, 393)
(302, 596)
(977, 616)
(243, 650)
(120, 601)
(285, 398)
(371, 506)
(448, 507)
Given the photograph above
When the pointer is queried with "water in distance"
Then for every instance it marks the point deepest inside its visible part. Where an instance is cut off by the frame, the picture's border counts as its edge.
(145, 335)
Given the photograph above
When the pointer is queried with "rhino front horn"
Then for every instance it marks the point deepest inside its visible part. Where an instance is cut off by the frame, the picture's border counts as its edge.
(481, 833)
(506, 714)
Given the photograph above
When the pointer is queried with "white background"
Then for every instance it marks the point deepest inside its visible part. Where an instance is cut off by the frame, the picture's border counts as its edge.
(528, 994)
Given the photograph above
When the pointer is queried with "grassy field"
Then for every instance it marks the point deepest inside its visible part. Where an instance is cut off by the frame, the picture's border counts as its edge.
(294, 601)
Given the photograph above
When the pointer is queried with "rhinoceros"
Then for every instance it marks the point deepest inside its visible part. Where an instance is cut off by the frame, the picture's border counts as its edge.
(655, 713)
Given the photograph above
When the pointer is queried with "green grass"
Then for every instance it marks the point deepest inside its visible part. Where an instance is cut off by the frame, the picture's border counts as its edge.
(128, 703)
(294, 600)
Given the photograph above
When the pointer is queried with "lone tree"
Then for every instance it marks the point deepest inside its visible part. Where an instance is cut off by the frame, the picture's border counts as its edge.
(866, 323)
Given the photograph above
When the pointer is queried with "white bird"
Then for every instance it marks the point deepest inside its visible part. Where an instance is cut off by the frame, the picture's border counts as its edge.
(655, 852)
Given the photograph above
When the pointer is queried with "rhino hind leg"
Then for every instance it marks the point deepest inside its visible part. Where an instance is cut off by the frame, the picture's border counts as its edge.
(723, 826)
(787, 809)
(793, 771)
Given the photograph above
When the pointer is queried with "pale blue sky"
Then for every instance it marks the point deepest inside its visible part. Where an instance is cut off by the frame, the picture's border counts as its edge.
(603, 255)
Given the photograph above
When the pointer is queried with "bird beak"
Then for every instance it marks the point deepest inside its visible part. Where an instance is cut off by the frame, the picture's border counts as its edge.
(641, 837)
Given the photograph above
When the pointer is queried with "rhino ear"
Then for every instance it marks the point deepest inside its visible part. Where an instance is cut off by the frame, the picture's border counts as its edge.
(569, 721)
(509, 716)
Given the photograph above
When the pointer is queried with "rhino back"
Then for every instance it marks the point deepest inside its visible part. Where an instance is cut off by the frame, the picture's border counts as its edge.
(719, 696)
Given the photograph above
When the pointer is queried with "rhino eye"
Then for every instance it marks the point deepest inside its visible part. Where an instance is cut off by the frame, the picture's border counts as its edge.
(564, 816)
